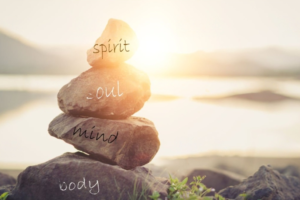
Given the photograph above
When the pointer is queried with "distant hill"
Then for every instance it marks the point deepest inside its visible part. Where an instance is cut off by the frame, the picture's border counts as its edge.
(17, 57)
(253, 62)
(201, 63)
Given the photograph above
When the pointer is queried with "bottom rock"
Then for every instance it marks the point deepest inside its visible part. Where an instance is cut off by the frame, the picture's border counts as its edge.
(265, 184)
(73, 176)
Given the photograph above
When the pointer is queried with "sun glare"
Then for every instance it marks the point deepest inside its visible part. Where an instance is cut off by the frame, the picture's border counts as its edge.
(155, 42)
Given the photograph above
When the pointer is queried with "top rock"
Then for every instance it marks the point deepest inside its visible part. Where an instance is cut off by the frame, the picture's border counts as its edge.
(117, 44)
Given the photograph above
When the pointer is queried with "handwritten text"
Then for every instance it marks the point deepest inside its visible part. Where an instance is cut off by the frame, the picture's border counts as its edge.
(81, 184)
(111, 138)
(100, 92)
(104, 48)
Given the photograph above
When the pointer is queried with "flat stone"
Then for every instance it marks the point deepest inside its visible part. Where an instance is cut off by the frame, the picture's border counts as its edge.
(76, 176)
(113, 93)
(117, 43)
(266, 183)
(128, 142)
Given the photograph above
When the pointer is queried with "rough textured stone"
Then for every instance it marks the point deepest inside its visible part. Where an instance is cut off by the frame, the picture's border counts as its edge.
(217, 179)
(114, 36)
(46, 181)
(131, 88)
(135, 145)
(266, 184)
(6, 179)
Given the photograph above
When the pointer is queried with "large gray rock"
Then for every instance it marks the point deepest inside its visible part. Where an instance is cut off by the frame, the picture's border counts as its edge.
(265, 184)
(6, 179)
(128, 142)
(117, 44)
(113, 93)
(76, 176)
(217, 179)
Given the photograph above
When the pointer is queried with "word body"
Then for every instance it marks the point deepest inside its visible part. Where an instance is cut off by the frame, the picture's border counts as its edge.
(80, 185)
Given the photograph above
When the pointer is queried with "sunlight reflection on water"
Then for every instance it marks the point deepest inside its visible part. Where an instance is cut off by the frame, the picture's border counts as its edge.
(183, 87)
(185, 126)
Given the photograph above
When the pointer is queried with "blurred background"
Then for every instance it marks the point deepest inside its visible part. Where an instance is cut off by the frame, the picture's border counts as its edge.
(225, 77)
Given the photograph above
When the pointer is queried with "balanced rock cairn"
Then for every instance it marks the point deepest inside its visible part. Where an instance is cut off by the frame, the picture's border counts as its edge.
(97, 120)
(98, 104)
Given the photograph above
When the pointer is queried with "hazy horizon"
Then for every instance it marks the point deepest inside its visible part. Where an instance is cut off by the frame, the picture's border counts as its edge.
(177, 26)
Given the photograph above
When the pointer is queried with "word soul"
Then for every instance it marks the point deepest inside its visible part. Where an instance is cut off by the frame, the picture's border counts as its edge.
(100, 92)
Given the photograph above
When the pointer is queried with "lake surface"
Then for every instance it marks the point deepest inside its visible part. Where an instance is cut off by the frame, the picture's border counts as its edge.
(186, 126)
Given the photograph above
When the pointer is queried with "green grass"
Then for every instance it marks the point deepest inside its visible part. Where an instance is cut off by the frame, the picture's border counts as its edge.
(178, 190)
(136, 195)
(196, 191)
(4, 196)
(246, 196)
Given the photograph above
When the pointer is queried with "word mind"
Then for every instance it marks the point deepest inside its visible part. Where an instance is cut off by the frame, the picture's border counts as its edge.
(104, 48)
(111, 138)
(81, 184)
(100, 92)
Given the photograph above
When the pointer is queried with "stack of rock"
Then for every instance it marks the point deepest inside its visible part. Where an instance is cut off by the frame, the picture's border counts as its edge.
(98, 104)
(97, 120)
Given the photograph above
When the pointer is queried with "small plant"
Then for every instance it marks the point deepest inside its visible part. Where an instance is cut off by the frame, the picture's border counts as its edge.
(136, 195)
(246, 196)
(4, 196)
(177, 189)
(181, 191)
(154, 196)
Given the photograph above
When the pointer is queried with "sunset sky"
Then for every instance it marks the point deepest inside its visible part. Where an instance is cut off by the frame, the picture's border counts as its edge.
(162, 26)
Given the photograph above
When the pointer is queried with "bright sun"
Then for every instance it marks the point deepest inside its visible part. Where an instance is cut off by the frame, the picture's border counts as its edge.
(155, 41)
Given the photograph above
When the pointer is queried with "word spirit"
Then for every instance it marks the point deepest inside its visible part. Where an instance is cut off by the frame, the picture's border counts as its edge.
(100, 92)
(81, 184)
(104, 48)
(111, 138)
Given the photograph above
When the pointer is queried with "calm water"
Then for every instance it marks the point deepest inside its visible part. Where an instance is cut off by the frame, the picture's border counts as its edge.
(186, 126)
